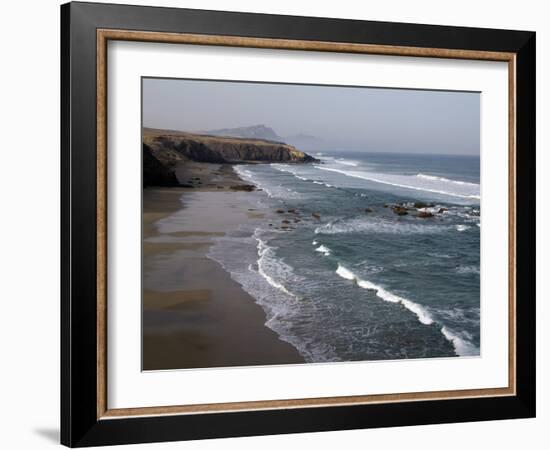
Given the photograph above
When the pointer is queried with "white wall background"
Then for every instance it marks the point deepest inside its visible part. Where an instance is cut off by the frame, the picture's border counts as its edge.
(29, 225)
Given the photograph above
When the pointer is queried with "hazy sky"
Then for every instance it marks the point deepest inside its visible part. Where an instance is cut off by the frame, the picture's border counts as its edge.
(345, 118)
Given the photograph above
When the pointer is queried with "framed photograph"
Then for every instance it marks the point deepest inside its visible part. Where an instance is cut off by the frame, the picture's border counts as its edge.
(276, 224)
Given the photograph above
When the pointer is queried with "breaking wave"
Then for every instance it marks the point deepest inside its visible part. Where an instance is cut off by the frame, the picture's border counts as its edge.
(267, 262)
(461, 346)
(324, 250)
(434, 185)
(447, 180)
(272, 190)
(360, 225)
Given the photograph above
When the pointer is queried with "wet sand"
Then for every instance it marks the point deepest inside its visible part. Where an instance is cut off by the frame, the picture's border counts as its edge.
(194, 314)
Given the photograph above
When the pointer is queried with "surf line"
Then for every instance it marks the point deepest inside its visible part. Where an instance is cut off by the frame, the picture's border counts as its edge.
(461, 347)
(406, 186)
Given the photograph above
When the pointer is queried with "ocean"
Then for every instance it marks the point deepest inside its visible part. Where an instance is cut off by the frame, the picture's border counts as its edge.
(350, 280)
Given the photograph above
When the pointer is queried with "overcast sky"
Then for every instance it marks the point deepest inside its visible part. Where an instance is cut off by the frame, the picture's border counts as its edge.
(345, 118)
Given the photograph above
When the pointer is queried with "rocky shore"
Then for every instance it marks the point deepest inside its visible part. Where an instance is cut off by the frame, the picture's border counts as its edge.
(163, 150)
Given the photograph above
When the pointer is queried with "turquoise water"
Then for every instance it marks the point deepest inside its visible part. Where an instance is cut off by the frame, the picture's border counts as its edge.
(344, 284)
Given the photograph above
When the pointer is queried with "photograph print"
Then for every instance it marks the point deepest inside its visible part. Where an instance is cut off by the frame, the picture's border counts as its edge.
(298, 223)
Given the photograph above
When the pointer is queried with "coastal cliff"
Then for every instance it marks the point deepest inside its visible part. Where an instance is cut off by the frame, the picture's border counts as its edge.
(156, 173)
(163, 149)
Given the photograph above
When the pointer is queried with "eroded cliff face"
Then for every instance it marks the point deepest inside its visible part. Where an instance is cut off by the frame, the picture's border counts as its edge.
(162, 149)
(155, 173)
(170, 146)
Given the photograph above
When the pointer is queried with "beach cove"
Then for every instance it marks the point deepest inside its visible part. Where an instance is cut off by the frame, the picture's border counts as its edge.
(194, 314)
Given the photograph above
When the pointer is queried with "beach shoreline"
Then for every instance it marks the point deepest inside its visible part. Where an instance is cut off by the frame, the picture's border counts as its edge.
(194, 314)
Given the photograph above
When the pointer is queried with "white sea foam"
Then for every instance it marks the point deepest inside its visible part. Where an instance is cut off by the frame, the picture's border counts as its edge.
(264, 278)
(345, 273)
(368, 225)
(467, 269)
(294, 171)
(314, 243)
(467, 191)
(324, 250)
(272, 190)
(447, 180)
(267, 262)
(439, 255)
(423, 315)
(462, 227)
(461, 315)
(462, 346)
(346, 163)
(322, 183)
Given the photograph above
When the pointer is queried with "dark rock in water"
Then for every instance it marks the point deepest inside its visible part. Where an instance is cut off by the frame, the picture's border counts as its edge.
(386, 205)
(292, 211)
(368, 210)
(297, 220)
(244, 187)
(186, 185)
(270, 224)
(220, 187)
(279, 211)
(419, 205)
(251, 209)
(424, 214)
(400, 210)
(442, 210)
(317, 216)
(285, 221)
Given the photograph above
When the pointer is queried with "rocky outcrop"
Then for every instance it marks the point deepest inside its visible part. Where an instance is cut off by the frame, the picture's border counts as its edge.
(424, 214)
(244, 187)
(420, 205)
(400, 210)
(168, 147)
(155, 173)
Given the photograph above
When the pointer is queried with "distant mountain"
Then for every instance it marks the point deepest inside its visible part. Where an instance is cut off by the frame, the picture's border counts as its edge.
(300, 140)
(252, 132)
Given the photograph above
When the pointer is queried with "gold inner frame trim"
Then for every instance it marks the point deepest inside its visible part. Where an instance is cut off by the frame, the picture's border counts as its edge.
(104, 35)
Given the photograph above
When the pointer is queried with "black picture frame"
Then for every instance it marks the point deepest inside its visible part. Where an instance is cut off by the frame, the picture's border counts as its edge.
(80, 425)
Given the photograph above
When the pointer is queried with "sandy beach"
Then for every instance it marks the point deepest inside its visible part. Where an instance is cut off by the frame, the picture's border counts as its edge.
(194, 314)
